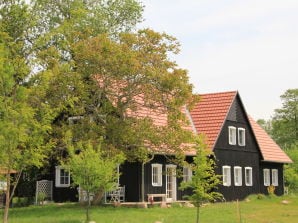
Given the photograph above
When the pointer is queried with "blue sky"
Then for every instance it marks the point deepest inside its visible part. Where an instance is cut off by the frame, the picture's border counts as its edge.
(250, 46)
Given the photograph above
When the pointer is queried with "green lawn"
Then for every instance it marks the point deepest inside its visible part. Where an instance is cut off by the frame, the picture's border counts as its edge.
(266, 210)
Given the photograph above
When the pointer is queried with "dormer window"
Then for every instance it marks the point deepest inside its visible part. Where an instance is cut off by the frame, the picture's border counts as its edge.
(232, 135)
(241, 136)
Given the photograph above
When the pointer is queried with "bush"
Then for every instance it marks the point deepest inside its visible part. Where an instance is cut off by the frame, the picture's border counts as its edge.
(21, 201)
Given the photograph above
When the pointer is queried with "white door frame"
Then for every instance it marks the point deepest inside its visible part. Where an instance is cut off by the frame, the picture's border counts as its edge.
(171, 183)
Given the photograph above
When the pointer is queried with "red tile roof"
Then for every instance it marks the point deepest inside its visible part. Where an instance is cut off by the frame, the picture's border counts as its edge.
(210, 113)
(270, 151)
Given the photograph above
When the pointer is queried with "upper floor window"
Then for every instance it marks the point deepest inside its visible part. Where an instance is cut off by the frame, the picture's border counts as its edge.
(248, 176)
(238, 176)
(62, 177)
(232, 135)
(226, 175)
(241, 136)
(156, 174)
(266, 173)
(274, 177)
(187, 174)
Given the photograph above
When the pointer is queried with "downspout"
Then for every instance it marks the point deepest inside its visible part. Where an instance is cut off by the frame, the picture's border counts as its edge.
(143, 183)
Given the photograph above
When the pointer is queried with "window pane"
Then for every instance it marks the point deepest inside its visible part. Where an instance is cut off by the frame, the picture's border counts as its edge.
(266, 177)
(226, 174)
(275, 177)
(156, 174)
(248, 176)
(241, 137)
(237, 176)
(232, 135)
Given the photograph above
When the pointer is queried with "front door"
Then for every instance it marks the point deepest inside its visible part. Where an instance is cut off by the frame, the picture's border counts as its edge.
(171, 183)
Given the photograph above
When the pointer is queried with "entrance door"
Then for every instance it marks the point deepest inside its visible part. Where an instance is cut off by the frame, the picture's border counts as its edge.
(171, 183)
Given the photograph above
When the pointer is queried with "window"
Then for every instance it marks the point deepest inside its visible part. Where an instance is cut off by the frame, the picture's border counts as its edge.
(187, 174)
(266, 173)
(232, 135)
(62, 177)
(274, 177)
(156, 175)
(3, 185)
(248, 176)
(238, 176)
(241, 136)
(226, 175)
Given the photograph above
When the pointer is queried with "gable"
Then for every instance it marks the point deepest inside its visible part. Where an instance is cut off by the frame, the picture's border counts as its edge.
(237, 119)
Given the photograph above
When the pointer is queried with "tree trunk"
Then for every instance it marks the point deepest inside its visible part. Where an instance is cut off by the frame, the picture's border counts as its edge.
(98, 197)
(143, 183)
(198, 214)
(87, 208)
(7, 199)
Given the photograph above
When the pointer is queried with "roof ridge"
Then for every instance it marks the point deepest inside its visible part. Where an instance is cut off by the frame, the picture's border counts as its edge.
(220, 92)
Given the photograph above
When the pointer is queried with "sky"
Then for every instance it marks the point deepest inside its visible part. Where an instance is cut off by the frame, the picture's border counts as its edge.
(245, 45)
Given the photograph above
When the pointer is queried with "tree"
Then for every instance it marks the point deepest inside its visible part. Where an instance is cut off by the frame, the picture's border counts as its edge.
(23, 127)
(285, 120)
(291, 171)
(93, 169)
(204, 180)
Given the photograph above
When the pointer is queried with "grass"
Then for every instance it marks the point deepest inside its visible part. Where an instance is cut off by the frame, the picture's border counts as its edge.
(253, 210)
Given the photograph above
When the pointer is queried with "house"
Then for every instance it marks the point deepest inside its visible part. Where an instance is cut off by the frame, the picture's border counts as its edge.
(246, 157)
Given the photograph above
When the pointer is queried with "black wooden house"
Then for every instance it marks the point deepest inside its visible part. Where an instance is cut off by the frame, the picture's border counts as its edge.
(247, 158)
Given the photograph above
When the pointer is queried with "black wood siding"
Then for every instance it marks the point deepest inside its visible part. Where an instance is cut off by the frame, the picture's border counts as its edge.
(132, 179)
(279, 190)
(235, 155)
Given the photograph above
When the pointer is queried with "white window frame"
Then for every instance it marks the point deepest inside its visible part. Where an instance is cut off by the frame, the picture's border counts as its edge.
(58, 177)
(187, 174)
(274, 174)
(226, 176)
(3, 185)
(232, 135)
(241, 135)
(238, 176)
(248, 176)
(266, 173)
(156, 172)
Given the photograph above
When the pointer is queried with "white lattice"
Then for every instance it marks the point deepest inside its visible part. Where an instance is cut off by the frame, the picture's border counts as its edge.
(44, 187)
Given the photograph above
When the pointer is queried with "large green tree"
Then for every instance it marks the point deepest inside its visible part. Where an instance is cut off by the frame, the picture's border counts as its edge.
(23, 126)
(285, 120)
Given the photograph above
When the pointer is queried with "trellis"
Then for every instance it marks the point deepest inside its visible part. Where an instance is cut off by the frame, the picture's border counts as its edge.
(44, 187)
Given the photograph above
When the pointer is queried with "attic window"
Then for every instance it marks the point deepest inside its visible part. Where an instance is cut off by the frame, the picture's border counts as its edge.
(232, 135)
(241, 136)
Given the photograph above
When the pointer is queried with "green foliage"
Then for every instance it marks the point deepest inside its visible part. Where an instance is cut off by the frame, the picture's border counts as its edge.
(93, 169)
(291, 171)
(204, 180)
(285, 121)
